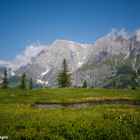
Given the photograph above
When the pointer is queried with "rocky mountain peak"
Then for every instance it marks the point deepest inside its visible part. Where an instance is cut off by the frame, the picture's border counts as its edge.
(90, 62)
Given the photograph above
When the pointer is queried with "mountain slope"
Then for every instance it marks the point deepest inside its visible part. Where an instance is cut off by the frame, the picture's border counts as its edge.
(45, 66)
(97, 63)
(107, 56)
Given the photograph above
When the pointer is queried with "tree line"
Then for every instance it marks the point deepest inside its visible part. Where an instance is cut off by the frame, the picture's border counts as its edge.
(22, 84)
(63, 78)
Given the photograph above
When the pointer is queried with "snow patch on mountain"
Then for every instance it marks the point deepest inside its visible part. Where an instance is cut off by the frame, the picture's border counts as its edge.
(44, 83)
(39, 60)
(80, 64)
(45, 72)
(12, 73)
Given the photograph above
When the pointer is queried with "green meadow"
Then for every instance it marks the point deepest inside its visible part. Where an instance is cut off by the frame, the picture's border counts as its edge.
(19, 120)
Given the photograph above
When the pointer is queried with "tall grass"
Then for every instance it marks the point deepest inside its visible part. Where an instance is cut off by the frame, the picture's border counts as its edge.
(20, 121)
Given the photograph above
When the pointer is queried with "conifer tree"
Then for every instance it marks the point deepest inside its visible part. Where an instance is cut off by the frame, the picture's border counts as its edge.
(4, 84)
(134, 79)
(64, 77)
(85, 84)
(31, 83)
(23, 81)
(114, 84)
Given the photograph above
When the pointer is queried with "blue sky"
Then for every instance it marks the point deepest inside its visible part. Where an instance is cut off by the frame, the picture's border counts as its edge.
(84, 21)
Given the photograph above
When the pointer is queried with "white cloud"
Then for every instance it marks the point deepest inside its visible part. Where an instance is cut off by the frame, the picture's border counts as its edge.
(5, 63)
(30, 52)
(121, 33)
(24, 58)
(138, 35)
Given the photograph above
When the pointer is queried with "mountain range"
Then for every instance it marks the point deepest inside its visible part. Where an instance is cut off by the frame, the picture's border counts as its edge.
(113, 57)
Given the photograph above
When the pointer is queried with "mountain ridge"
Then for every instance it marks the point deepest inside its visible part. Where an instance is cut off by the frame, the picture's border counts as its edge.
(90, 62)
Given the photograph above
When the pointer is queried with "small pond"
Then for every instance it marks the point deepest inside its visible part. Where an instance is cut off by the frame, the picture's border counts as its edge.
(84, 104)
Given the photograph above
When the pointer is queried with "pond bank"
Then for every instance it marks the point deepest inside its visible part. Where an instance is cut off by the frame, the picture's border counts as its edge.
(83, 104)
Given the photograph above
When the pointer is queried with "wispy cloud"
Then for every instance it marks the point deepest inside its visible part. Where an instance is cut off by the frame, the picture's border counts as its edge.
(24, 58)
(30, 52)
(120, 33)
(4, 63)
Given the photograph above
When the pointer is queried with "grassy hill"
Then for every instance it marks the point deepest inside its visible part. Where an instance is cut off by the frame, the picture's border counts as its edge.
(20, 120)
